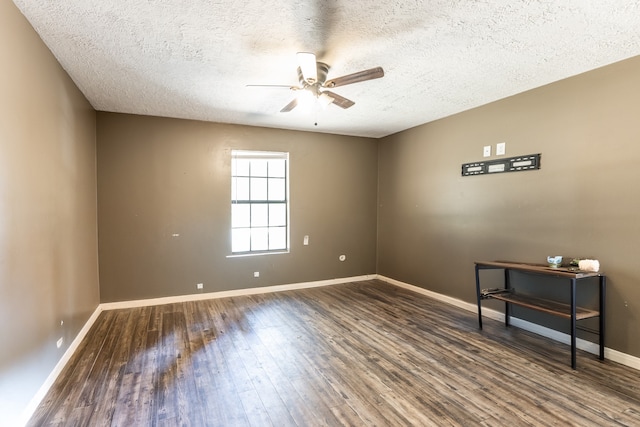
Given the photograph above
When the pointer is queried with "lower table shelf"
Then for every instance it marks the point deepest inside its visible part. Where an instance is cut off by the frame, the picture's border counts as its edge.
(552, 307)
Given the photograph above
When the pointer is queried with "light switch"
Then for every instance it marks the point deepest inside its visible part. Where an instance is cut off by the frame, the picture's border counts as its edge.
(487, 151)
(501, 148)
(305, 240)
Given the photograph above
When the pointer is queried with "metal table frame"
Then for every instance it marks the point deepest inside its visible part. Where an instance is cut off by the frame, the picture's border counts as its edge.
(572, 275)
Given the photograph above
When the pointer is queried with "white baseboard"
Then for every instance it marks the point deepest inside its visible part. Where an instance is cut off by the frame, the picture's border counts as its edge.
(613, 355)
(233, 293)
(28, 411)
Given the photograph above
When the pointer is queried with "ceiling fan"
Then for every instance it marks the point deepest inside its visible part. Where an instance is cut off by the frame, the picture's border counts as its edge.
(313, 79)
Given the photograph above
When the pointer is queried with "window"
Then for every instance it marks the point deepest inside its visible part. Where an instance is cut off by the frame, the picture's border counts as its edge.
(259, 202)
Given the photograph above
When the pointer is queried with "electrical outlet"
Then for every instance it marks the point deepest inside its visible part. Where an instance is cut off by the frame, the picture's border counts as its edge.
(501, 148)
(486, 152)
(305, 241)
(256, 274)
(199, 286)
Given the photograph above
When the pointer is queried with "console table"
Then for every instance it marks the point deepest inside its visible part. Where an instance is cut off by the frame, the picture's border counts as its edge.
(568, 311)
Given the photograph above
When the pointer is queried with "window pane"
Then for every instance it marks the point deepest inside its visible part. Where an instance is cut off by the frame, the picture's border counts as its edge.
(240, 215)
(240, 189)
(277, 168)
(258, 188)
(258, 167)
(277, 189)
(277, 238)
(277, 214)
(259, 215)
(259, 239)
(240, 240)
(240, 167)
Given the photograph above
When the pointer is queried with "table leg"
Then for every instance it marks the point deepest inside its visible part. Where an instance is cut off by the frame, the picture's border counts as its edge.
(507, 306)
(573, 323)
(602, 308)
(479, 297)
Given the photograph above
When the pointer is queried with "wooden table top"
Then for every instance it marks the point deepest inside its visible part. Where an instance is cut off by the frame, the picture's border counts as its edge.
(572, 273)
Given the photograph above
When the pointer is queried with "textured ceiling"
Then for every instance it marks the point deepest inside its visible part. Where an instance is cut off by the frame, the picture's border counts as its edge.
(193, 58)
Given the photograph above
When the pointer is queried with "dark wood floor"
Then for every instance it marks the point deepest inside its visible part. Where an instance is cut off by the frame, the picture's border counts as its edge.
(364, 353)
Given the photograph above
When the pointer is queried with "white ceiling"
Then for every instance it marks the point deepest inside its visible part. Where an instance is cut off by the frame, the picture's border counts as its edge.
(193, 58)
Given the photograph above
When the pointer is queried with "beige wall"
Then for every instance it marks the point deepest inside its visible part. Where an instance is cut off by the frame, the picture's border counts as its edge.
(48, 234)
(158, 177)
(583, 202)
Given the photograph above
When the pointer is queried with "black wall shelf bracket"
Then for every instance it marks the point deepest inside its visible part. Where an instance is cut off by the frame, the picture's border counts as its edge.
(511, 164)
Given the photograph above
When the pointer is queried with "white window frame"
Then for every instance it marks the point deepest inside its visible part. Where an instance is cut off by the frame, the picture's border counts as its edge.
(245, 229)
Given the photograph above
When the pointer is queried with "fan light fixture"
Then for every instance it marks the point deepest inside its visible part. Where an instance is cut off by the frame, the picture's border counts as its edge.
(325, 100)
(306, 99)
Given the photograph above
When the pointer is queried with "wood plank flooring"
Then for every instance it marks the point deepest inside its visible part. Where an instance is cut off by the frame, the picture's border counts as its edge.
(357, 354)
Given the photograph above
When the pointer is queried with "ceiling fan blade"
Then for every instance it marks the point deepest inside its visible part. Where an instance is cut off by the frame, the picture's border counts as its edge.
(361, 76)
(338, 100)
(308, 66)
(290, 106)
